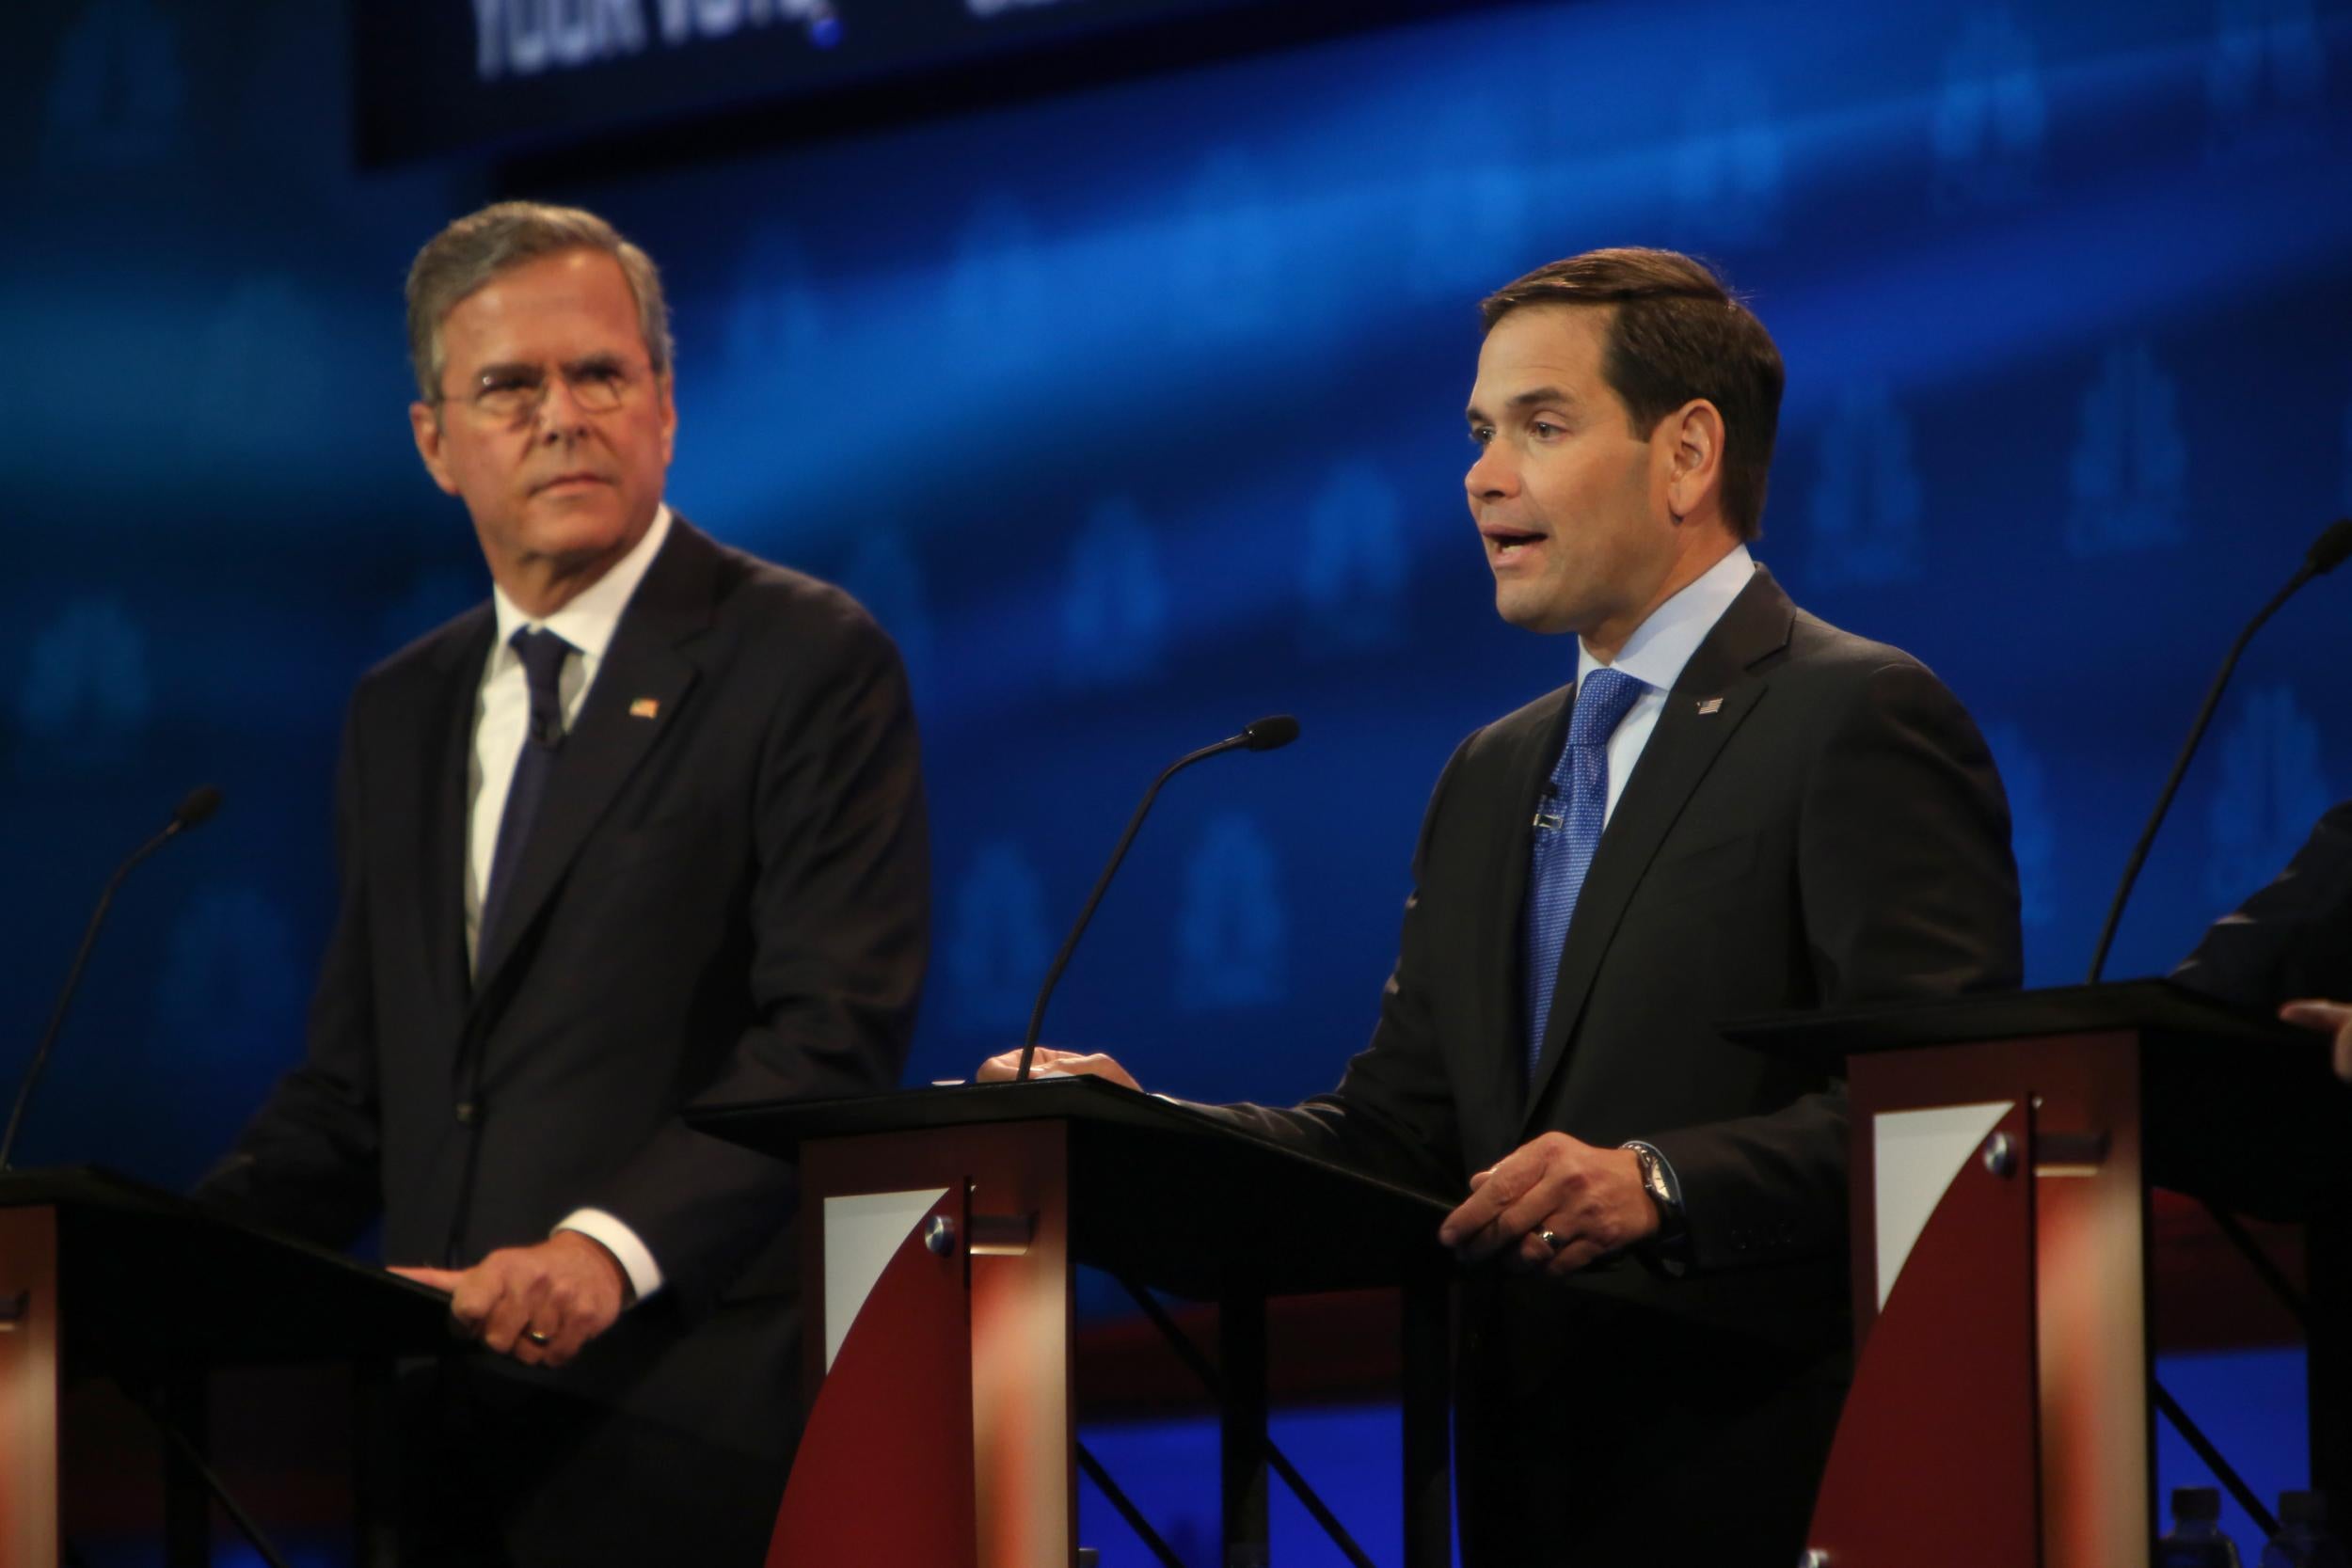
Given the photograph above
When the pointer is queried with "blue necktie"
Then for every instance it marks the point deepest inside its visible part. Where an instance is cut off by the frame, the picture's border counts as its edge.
(543, 653)
(1567, 830)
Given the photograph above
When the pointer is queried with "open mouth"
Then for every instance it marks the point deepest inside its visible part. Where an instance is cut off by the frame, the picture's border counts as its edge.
(1508, 542)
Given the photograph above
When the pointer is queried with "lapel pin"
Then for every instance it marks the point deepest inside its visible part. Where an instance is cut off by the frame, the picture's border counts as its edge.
(645, 708)
(1712, 705)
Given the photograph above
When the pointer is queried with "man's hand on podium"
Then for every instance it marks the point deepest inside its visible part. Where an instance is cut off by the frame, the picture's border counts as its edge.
(1554, 1205)
(2327, 1018)
(1050, 1063)
(537, 1304)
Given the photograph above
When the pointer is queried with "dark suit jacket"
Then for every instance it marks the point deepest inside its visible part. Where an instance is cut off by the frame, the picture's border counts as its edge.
(1833, 832)
(2294, 938)
(2278, 1143)
(724, 898)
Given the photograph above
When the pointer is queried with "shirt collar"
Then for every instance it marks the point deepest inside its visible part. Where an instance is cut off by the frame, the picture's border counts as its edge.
(1661, 646)
(589, 621)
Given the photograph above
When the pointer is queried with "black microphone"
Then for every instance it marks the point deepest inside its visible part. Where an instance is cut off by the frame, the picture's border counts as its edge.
(200, 803)
(1268, 734)
(2328, 552)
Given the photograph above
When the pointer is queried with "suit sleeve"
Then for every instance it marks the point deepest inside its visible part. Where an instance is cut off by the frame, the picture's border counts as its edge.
(839, 926)
(1393, 1111)
(2263, 1136)
(307, 1161)
(1908, 890)
(2292, 939)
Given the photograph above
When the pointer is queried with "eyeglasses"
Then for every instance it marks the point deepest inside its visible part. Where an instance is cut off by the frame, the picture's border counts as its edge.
(511, 394)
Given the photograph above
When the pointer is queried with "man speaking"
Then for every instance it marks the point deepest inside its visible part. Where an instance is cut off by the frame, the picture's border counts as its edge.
(1735, 808)
(644, 828)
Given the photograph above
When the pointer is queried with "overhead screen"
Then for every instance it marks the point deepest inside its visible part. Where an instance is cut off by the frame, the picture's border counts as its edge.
(439, 76)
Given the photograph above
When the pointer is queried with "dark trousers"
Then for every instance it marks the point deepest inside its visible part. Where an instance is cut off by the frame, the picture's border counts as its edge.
(502, 1470)
(1639, 1440)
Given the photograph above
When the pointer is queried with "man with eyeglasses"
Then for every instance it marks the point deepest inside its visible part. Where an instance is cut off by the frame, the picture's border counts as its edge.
(646, 828)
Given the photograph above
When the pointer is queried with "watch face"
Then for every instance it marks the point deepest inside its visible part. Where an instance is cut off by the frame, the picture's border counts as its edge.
(1654, 1177)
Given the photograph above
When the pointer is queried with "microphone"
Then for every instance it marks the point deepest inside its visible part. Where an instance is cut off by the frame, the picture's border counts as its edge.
(1269, 733)
(2328, 552)
(200, 804)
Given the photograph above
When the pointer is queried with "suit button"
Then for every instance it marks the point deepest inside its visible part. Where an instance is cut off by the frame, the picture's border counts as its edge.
(468, 1113)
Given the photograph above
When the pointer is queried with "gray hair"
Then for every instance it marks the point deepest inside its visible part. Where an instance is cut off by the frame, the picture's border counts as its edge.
(477, 247)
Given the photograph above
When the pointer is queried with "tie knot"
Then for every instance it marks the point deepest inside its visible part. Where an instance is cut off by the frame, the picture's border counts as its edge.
(543, 653)
(1601, 701)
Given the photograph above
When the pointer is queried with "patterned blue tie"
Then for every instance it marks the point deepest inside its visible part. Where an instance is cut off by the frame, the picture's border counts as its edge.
(543, 653)
(1567, 830)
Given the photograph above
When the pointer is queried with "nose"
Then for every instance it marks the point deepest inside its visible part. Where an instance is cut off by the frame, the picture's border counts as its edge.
(559, 415)
(1491, 476)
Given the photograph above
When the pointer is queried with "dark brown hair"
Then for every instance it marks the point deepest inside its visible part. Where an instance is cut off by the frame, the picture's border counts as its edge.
(1675, 333)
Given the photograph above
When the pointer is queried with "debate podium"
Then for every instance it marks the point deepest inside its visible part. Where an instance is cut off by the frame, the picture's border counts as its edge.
(102, 1275)
(940, 1229)
(2003, 1148)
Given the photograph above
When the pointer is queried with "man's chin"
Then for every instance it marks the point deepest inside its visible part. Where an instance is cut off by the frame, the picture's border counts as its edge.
(1530, 612)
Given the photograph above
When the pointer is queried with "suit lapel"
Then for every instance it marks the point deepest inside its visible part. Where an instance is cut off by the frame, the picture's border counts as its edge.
(612, 735)
(447, 759)
(1681, 750)
(1498, 948)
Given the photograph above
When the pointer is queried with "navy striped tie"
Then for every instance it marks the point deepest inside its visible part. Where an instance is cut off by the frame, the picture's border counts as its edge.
(543, 653)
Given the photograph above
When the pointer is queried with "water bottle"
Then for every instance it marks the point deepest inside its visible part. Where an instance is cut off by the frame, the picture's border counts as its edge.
(2196, 1538)
(2303, 1540)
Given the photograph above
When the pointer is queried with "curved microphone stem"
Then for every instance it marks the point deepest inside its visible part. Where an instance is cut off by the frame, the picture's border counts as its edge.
(73, 982)
(1070, 944)
(2180, 765)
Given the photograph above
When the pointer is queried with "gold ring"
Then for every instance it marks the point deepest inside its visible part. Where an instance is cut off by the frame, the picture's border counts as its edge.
(1551, 1239)
(538, 1338)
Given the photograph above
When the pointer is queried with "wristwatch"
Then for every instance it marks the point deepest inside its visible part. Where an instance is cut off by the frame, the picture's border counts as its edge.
(1661, 1190)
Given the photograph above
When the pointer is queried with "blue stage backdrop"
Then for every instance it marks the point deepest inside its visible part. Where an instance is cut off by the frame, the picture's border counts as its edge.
(1134, 413)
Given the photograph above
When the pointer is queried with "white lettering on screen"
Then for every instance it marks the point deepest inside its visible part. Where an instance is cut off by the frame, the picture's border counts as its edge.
(997, 7)
(522, 37)
(682, 20)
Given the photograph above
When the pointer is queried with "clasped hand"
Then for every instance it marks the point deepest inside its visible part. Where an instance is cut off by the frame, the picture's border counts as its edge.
(1590, 1199)
(537, 1304)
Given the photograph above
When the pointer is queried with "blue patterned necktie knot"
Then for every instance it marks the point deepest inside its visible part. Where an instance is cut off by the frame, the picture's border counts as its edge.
(1568, 831)
(1603, 702)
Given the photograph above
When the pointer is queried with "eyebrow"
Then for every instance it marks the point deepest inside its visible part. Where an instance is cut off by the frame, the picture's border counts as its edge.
(600, 359)
(1529, 399)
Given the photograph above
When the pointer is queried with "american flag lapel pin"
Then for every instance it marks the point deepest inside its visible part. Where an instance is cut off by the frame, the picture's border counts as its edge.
(645, 708)
(1712, 705)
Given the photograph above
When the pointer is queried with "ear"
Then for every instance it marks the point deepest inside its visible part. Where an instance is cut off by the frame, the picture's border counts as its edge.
(424, 424)
(1694, 453)
(662, 388)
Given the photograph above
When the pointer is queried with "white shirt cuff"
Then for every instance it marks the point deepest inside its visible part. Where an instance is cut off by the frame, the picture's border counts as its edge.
(607, 1231)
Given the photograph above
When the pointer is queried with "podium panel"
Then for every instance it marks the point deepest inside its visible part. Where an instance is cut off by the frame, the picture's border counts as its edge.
(30, 1387)
(2002, 1146)
(974, 1374)
(1051, 1174)
(102, 1275)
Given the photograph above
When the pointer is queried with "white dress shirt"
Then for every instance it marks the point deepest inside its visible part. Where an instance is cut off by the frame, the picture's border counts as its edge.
(501, 718)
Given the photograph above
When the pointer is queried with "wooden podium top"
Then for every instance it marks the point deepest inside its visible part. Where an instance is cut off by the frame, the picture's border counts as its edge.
(2171, 1015)
(1166, 1194)
(149, 1280)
